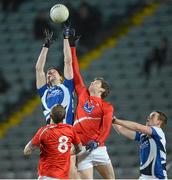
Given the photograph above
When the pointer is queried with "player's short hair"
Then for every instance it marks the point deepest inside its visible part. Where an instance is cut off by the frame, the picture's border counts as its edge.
(55, 68)
(105, 86)
(163, 118)
(58, 113)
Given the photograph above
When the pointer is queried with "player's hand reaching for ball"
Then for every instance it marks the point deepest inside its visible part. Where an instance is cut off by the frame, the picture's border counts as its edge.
(69, 33)
(48, 40)
(91, 145)
(66, 31)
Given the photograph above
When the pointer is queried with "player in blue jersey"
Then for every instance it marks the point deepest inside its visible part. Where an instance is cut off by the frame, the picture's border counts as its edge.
(152, 143)
(52, 87)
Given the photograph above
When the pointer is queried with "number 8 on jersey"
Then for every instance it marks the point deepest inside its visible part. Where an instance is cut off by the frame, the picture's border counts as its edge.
(63, 147)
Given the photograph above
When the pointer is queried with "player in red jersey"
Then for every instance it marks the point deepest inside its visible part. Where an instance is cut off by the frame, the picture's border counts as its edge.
(92, 122)
(55, 142)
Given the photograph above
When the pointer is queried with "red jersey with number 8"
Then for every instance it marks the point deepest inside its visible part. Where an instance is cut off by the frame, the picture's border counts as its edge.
(55, 142)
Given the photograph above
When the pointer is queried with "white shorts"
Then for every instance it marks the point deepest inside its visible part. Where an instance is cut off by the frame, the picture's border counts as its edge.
(96, 157)
(46, 178)
(143, 177)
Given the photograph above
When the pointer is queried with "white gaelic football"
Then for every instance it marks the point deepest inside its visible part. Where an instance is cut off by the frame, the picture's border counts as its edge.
(59, 13)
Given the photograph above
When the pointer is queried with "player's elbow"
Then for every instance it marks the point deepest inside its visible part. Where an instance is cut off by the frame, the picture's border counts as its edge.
(138, 127)
(68, 61)
(27, 152)
(38, 68)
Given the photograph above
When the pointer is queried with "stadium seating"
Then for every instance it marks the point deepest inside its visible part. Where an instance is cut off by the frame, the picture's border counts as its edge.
(132, 96)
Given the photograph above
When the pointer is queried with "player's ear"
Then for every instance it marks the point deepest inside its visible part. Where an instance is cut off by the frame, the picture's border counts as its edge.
(61, 78)
(102, 90)
(159, 122)
(51, 115)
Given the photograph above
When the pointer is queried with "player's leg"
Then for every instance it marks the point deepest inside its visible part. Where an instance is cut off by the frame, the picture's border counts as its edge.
(86, 173)
(73, 174)
(85, 165)
(102, 163)
(106, 171)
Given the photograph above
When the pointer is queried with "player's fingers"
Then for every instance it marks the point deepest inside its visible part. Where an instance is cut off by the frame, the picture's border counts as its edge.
(90, 150)
(51, 34)
(45, 32)
(72, 31)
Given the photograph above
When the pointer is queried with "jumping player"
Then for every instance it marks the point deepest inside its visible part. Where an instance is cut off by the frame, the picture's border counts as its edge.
(51, 87)
(54, 142)
(92, 123)
(152, 143)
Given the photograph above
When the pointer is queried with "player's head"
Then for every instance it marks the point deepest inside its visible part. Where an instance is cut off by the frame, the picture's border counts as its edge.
(57, 114)
(157, 118)
(54, 76)
(99, 86)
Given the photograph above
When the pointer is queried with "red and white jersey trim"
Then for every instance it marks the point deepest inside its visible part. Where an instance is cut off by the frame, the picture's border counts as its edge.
(49, 127)
(84, 118)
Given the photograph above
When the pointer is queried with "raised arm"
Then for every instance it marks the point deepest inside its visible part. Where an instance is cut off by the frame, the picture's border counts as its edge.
(68, 69)
(133, 126)
(40, 74)
(78, 81)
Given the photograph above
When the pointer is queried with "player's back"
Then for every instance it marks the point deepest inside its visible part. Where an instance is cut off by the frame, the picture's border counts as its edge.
(55, 145)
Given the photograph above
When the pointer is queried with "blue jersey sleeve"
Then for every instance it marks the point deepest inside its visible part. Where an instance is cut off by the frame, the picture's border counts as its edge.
(42, 90)
(69, 84)
(138, 135)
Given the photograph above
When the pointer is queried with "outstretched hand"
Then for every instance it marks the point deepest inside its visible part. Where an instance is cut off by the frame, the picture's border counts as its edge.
(66, 31)
(48, 40)
(73, 39)
(69, 33)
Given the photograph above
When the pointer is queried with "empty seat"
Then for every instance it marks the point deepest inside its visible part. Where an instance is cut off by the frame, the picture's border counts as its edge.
(5, 165)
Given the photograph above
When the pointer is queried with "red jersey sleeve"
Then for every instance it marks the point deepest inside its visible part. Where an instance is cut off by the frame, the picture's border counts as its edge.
(107, 122)
(78, 81)
(76, 139)
(36, 139)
